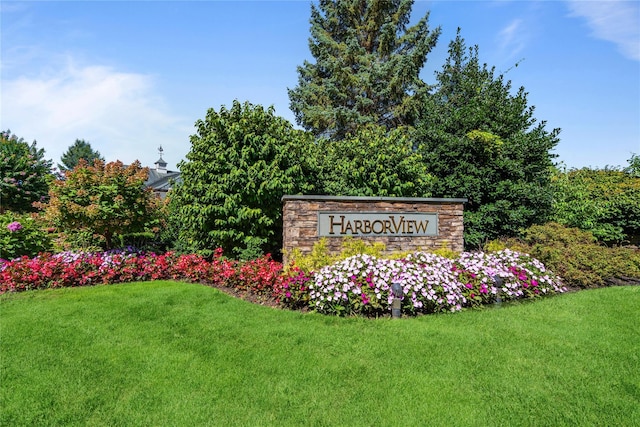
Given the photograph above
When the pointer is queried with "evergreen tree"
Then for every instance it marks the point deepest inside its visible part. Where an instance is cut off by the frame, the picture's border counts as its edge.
(80, 149)
(482, 142)
(24, 174)
(367, 67)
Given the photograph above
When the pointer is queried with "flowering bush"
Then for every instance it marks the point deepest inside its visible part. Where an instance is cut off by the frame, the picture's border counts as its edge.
(431, 283)
(14, 226)
(258, 276)
(21, 234)
(292, 290)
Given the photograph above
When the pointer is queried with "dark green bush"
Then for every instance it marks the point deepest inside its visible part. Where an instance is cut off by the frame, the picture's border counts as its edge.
(576, 256)
(480, 140)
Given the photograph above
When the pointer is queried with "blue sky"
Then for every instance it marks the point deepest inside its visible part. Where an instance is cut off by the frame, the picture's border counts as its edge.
(128, 76)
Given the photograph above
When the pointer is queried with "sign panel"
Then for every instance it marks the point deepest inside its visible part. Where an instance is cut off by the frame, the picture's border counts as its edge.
(337, 224)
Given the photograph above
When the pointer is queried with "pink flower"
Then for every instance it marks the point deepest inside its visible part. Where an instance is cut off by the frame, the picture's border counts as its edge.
(14, 226)
(469, 286)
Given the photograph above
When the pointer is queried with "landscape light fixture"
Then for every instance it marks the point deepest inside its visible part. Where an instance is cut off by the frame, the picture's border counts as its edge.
(498, 281)
(397, 292)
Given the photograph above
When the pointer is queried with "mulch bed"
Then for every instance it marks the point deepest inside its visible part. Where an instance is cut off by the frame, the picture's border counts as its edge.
(248, 296)
(273, 303)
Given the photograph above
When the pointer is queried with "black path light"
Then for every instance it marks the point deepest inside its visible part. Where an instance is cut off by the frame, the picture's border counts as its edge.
(398, 294)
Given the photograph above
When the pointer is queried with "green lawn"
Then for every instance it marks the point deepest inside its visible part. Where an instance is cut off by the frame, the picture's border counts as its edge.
(167, 353)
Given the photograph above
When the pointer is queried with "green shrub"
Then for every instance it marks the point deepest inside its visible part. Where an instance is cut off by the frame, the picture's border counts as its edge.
(603, 201)
(22, 235)
(576, 255)
(318, 258)
(372, 162)
(320, 255)
(446, 252)
(24, 174)
(351, 247)
(494, 246)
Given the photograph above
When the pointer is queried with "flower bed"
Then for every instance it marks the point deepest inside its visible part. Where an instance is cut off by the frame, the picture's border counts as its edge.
(70, 269)
(359, 285)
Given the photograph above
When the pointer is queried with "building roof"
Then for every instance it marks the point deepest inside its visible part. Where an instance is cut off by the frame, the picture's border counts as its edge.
(160, 163)
(162, 181)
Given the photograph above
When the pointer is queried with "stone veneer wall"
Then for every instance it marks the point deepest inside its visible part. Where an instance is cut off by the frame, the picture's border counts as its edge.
(300, 221)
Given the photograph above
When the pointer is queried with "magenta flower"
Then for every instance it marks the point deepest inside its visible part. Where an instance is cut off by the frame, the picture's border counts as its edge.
(14, 226)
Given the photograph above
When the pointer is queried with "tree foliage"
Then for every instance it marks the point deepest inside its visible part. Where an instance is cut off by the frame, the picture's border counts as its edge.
(242, 161)
(372, 162)
(634, 166)
(605, 202)
(482, 142)
(106, 200)
(24, 173)
(367, 66)
(80, 149)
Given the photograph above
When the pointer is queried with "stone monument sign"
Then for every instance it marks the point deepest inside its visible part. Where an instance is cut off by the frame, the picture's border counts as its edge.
(402, 224)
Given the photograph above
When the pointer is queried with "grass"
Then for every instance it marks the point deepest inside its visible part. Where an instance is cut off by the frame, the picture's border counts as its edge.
(167, 353)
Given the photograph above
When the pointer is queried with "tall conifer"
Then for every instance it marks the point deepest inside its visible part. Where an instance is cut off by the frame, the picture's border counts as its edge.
(367, 66)
(80, 149)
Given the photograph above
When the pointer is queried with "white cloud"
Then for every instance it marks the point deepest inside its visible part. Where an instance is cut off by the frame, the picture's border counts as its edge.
(117, 112)
(512, 37)
(615, 21)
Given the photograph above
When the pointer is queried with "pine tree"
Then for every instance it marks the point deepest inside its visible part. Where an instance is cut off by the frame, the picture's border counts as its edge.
(367, 67)
(80, 149)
